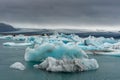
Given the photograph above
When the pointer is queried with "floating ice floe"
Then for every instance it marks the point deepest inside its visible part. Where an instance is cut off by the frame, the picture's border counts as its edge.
(114, 53)
(66, 65)
(18, 65)
(17, 44)
(8, 37)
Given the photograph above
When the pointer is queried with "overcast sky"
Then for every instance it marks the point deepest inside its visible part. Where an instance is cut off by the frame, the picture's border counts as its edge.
(61, 13)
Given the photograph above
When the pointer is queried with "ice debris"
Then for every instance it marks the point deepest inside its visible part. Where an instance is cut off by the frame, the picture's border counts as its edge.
(18, 65)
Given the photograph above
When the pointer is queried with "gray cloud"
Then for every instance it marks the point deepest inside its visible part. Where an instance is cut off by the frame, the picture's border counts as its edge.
(72, 12)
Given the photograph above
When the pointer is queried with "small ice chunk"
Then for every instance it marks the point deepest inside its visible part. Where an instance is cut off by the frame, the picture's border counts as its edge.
(35, 66)
(18, 65)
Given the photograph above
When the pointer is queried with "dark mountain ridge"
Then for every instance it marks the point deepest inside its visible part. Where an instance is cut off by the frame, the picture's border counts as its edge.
(6, 27)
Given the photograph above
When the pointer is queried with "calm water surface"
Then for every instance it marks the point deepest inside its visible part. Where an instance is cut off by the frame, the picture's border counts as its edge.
(109, 68)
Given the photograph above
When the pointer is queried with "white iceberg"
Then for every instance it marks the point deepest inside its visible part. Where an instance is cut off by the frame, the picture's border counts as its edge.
(66, 65)
(18, 65)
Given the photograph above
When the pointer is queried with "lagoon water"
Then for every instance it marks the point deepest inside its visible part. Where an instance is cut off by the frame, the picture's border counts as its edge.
(109, 68)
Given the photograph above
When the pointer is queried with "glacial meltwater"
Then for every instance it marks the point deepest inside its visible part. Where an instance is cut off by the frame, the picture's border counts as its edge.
(109, 67)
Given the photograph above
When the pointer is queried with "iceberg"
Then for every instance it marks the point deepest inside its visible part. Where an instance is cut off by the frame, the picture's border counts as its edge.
(18, 65)
(56, 50)
(66, 65)
(100, 43)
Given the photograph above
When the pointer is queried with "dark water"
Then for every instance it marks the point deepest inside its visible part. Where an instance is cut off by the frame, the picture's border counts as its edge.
(109, 68)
